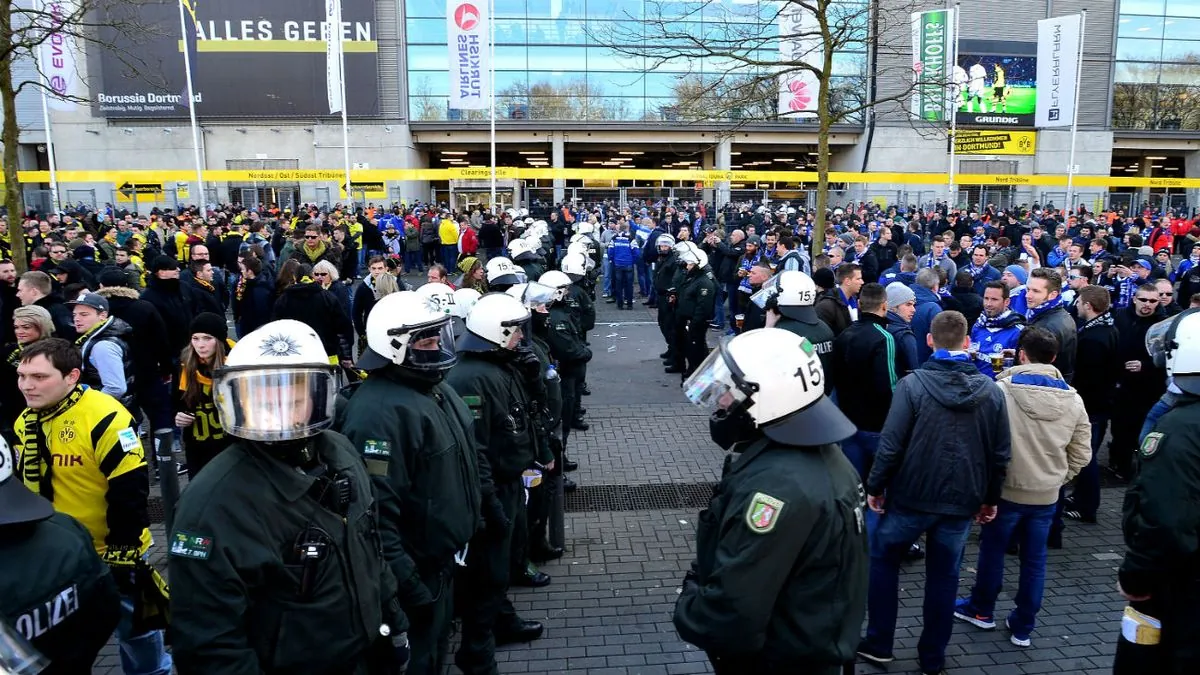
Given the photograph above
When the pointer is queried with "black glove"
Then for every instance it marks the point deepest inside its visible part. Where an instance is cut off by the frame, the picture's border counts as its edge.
(493, 515)
(689, 580)
(123, 562)
(529, 366)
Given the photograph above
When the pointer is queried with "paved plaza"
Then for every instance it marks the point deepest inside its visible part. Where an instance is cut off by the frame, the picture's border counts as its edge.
(646, 468)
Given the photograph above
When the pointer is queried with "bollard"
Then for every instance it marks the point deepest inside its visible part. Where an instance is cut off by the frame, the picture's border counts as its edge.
(168, 475)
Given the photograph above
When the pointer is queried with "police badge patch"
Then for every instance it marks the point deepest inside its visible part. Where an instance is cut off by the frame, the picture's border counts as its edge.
(1150, 445)
(763, 513)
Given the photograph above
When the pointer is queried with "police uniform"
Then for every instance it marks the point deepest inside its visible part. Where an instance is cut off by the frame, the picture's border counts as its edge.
(280, 570)
(492, 388)
(416, 439)
(545, 399)
(821, 336)
(694, 309)
(532, 268)
(54, 590)
(565, 339)
(784, 534)
(1162, 557)
(665, 270)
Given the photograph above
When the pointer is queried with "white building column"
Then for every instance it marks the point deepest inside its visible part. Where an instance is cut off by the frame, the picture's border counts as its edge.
(724, 161)
(558, 160)
(1191, 167)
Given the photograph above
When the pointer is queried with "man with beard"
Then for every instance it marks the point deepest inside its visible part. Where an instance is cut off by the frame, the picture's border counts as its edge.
(1140, 382)
(997, 330)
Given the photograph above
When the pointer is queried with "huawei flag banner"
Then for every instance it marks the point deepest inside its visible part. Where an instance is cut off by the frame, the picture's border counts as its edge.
(799, 43)
(1057, 70)
(252, 58)
(470, 71)
(933, 60)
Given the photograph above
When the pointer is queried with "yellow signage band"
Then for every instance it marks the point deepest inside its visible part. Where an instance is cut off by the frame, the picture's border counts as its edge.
(377, 176)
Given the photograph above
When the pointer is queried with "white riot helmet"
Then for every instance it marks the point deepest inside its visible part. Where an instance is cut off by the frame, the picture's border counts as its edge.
(534, 295)
(522, 249)
(558, 281)
(440, 295)
(523, 212)
(411, 330)
(691, 253)
(771, 380)
(574, 266)
(791, 292)
(578, 247)
(276, 385)
(665, 240)
(498, 321)
(501, 271)
(1175, 345)
(584, 228)
(464, 300)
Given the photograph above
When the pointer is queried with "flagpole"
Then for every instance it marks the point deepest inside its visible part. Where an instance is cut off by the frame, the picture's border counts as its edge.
(341, 42)
(191, 104)
(492, 93)
(950, 191)
(1075, 114)
(50, 148)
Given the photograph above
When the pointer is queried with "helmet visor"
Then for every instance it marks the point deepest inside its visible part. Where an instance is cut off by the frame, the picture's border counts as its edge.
(1156, 341)
(713, 386)
(518, 335)
(431, 347)
(537, 295)
(769, 290)
(273, 404)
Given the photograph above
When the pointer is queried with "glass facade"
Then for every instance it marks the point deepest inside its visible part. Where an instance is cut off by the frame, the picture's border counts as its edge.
(551, 62)
(1157, 78)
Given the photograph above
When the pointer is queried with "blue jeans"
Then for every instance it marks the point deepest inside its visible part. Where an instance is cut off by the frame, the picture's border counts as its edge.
(412, 262)
(860, 450)
(643, 275)
(450, 257)
(732, 295)
(140, 654)
(1031, 524)
(608, 275)
(719, 318)
(945, 537)
(622, 285)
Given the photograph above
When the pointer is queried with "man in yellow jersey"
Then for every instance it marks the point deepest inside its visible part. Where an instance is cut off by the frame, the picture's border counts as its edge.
(77, 447)
(999, 90)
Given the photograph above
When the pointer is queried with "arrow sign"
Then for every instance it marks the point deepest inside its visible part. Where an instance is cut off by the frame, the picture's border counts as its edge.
(127, 190)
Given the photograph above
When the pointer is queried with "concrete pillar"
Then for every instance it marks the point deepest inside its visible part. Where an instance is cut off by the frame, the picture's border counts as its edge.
(1191, 169)
(558, 160)
(707, 160)
(1145, 170)
(724, 161)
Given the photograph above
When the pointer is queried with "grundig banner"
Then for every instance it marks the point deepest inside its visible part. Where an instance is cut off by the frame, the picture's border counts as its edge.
(254, 58)
(995, 142)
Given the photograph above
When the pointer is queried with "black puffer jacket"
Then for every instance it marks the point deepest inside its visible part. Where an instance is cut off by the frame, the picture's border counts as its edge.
(319, 309)
(1060, 323)
(946, 444)
(148, 339)
(173, 300)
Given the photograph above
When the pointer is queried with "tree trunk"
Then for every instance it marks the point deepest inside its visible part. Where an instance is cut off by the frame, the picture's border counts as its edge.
(823, 124)
(9, 139)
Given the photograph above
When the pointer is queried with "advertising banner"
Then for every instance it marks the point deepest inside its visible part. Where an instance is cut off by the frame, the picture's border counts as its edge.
(973, 142)
(467, 40)
(56, 58)
(253, 58)
(1057, 70)
(799, 42)
(995, 83)
(333, 56)
(933, 53)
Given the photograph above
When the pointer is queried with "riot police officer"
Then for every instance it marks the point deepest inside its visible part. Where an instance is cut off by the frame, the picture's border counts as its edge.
(414, 432)
(785, 530)
(275, 562)
(525, 257)
(54, 590)
(789, 298)
(580, 301)
(489, 379)
(502, 272)
(567, 346)
(665, 269)
(1160, 576)
(694, 308)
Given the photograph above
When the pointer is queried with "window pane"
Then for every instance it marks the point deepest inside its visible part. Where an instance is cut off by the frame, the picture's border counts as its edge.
(607, 58)
(1182, 29)
(426, 31)
(1182, 74)
(1140, 26)
(1142, 7)
(614, 108)
(617, 9)
(429, 58)
(511, 81)
(1183, 51)
(1129, 49)
(560, 58)
(558, 9)
(511, 31)
(429, 83)
(510, 58)
(626, 83)
(1136, 72)
(425, 8)
(849, 64)
(428, 108)
(556, 32)
(509, 8)
(1183, 8)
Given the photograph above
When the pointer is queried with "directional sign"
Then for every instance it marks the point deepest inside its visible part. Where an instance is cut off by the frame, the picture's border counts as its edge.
(182, 191)
(369, 189)
(146, 192)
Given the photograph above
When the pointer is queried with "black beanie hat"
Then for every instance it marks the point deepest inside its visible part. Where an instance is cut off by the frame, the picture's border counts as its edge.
(210, 324)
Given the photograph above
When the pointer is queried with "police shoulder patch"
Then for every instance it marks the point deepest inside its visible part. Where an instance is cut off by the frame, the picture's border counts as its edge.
(763, 512)
(1150, 445)
(188, 545)
(376, 448)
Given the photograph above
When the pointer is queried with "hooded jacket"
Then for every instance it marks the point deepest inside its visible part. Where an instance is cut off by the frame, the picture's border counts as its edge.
(319, 309)
(1051, 434)
(928, 306)
(906, 344)
(148, 336)
(173, 300)
(1059, 322)
(945, 446)
(105, 350)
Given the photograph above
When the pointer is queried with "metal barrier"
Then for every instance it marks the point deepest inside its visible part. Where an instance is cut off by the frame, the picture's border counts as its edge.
(168, 473)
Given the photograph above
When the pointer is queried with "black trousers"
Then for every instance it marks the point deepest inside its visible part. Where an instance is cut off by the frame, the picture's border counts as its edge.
(429, 626)
(483, 586)
(666, 323)
(691, 344)
(1129, 414)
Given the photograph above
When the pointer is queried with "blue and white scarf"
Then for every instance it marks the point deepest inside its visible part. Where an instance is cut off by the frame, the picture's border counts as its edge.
(1032, 313)
(947, 355)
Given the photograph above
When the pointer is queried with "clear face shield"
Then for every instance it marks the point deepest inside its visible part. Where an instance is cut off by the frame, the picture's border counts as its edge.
(430, 347)
(538, 296)
(17, 656)
(1156, 341)
(275, 404)
(769, 290)
(518, 334)
(716, 384)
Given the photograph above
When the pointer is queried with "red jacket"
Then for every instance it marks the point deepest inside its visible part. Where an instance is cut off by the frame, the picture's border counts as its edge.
(468, 243)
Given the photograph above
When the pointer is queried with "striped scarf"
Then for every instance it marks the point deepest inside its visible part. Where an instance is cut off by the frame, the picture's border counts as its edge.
(35, 451)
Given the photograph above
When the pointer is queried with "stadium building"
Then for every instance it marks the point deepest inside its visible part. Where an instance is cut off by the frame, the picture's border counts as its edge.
(582, 86)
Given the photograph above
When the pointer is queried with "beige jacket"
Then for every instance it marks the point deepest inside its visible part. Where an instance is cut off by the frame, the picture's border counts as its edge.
(1051, 435)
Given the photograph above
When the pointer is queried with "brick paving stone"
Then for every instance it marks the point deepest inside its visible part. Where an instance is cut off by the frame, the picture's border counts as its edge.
(609, 608)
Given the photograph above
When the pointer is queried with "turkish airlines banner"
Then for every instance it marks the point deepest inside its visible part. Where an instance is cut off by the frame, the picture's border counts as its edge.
(470, 70)
(1057, 70)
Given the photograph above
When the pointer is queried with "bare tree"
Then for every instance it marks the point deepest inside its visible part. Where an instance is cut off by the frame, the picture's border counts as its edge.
(25, 26)
(838, 48)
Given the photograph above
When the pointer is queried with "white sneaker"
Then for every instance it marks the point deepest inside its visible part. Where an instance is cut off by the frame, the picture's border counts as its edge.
(1020, 642)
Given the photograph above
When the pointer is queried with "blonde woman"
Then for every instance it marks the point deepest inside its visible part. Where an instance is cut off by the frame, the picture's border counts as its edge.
(30, 323)
(326, 274)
